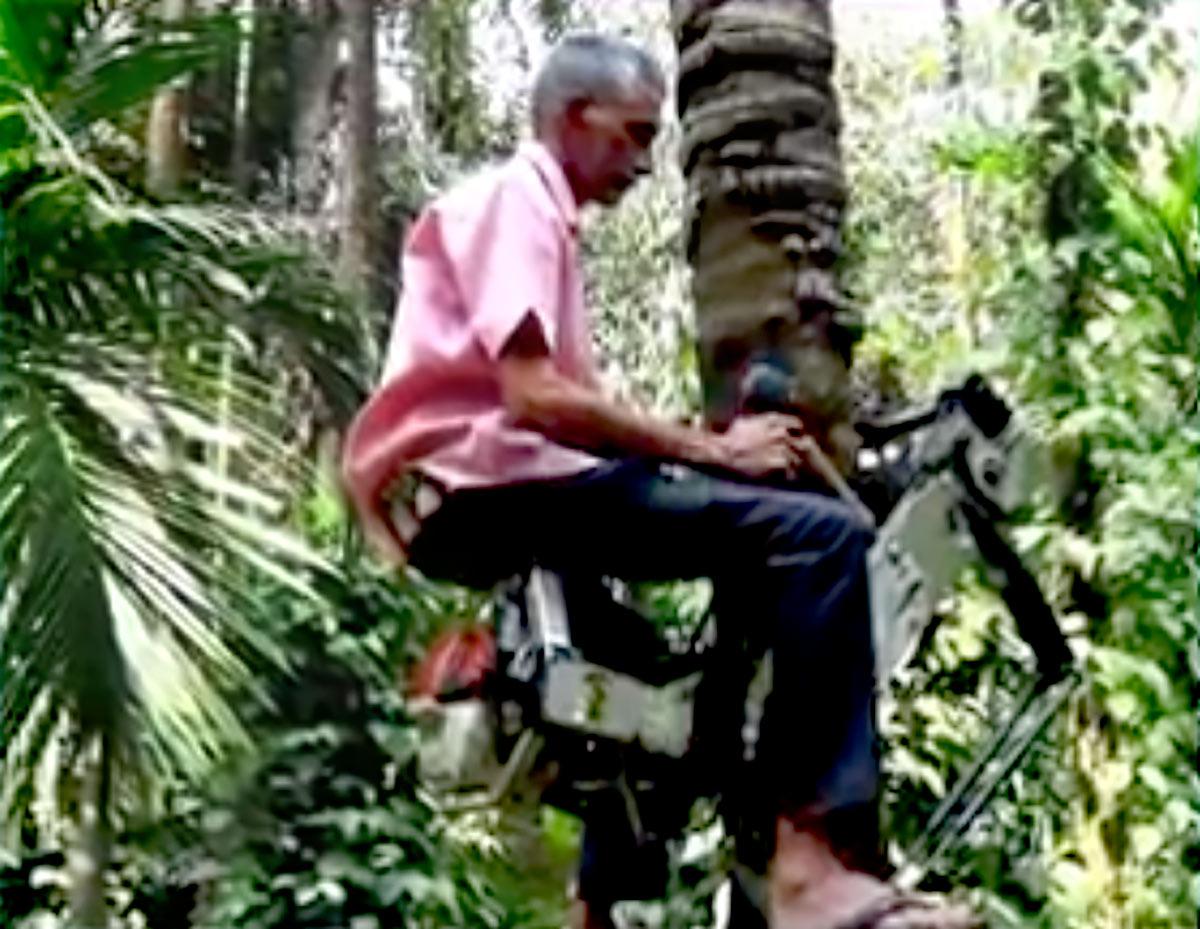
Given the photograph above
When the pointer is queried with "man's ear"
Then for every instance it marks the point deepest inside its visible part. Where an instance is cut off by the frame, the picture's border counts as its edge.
(575, 115)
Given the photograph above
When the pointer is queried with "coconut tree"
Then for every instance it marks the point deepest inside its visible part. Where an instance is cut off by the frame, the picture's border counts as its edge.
(127, 617)
(761, 156)
(760, 151)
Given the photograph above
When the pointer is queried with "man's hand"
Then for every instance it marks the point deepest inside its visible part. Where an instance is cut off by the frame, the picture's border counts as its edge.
(764, 445)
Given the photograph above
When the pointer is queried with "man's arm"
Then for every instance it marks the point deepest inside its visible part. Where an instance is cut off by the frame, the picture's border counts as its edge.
(540, 398)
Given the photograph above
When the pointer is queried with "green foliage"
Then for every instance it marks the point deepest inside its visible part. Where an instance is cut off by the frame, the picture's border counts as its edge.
(454, 102)
(1127, 389)
(1076, 266)
(142, 476)
(322, 823)
(637, 288)
(157, 367)
(326, 827)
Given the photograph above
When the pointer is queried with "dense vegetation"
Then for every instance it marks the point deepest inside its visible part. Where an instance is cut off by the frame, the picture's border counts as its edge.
(201, 723)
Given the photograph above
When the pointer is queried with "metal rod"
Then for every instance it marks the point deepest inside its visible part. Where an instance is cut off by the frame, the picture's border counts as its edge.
(1004, 750)
(971, 775)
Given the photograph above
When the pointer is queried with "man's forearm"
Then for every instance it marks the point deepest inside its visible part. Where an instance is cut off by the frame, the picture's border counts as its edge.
(579, 416)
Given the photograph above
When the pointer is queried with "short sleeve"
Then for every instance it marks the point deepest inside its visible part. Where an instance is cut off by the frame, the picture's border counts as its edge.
(506, 255)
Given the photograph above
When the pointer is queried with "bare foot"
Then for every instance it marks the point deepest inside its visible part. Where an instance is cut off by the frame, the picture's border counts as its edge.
(851, 900)
(823, 902)
(809, 888)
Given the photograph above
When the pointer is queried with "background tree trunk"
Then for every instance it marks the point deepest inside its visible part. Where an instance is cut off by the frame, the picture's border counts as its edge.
(241, 166)
(91, 854)
(956, 194)
(166, 148)
(760, 151)
(314, 68)
(952, 23)
(360, 203)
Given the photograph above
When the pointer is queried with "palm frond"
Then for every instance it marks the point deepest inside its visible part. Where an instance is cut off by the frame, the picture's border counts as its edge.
(120, 608)
(36, 38)
(1158, 232)
(196, 271)
(143, 481)
(113, 71)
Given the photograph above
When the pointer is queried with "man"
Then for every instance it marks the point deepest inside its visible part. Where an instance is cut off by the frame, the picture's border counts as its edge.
(490, 398)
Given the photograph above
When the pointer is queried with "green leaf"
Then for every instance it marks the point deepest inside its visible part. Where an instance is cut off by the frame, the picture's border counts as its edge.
(111, 77)
(1124, 706)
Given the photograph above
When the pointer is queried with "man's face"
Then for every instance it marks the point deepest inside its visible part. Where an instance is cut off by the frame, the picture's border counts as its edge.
(608, 144)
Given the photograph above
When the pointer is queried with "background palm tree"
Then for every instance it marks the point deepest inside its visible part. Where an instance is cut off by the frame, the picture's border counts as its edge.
(126, 615)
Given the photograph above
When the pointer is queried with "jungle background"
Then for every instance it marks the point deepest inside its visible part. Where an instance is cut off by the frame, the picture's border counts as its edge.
(201, 204)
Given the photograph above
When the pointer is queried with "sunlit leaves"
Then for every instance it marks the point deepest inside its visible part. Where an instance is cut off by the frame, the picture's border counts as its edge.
(143, 479)
(1094, 329)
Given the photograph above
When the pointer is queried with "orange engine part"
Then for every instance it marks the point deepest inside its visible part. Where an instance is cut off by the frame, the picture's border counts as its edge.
(457, 665)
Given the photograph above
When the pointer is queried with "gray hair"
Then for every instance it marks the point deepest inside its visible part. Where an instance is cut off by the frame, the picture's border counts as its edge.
(589, 66)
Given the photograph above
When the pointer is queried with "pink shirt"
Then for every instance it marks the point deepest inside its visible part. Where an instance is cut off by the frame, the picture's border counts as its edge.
(477, 260)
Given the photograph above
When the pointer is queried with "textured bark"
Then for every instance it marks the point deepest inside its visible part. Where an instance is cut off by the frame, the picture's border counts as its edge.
(315, 69)
(91, 853)
(952, 20)
(361, 216)
(166, 148)
(241, 164)
(760, 150)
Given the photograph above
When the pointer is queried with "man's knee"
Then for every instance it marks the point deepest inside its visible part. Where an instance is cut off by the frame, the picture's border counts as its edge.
(821, 560)
(825, 527)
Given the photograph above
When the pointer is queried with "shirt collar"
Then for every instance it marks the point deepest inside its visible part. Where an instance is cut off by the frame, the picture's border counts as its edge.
(552, 176)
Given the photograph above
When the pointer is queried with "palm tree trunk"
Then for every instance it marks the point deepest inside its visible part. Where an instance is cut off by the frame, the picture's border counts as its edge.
(761, 154)
(166, 149)
(89, 859)
(952, 23)
(360, 217)
(241, 160)
(314, 67)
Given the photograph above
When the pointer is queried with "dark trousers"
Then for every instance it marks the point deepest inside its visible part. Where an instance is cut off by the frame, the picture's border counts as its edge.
(788, 571)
